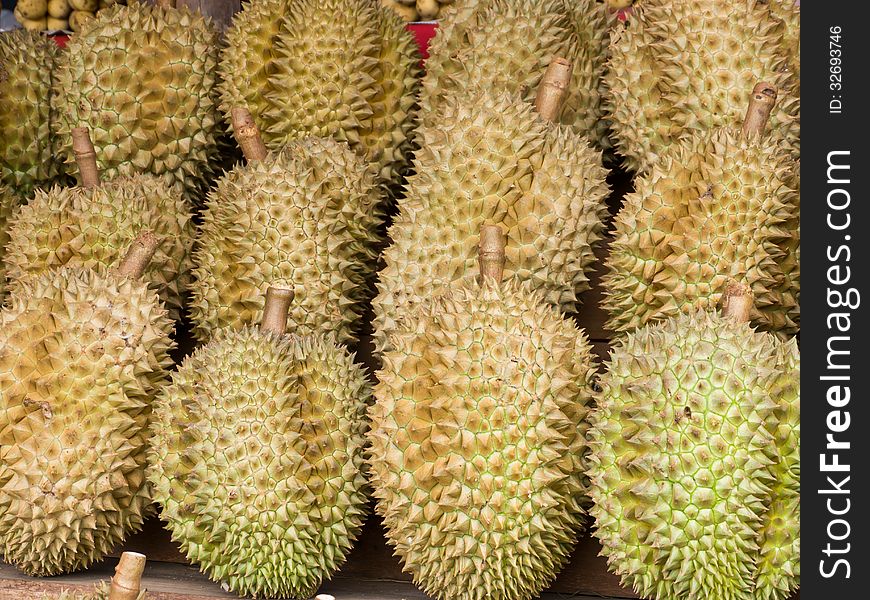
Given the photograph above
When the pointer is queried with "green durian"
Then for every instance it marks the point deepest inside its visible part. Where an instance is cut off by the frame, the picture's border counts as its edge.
(345, 69)
(678, 68)
(478, 439)
(82, 352)
(305, 218)
(143, 79)
(27, 158)
(488, 157)
(90, 227)
(507, 45)
(717, 205)
(695, 460)
(257, 457)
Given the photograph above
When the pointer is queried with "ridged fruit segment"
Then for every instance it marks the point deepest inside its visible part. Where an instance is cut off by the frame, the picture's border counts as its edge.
(257, 456)
(143, 79)
(306, 219)
(478, 442)
(82, 353)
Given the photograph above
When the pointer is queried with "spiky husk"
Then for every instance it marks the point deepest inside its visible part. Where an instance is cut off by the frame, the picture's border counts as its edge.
(506, 45)
(693, 445)
(100, 592)
(345, 69)
(492, 160)
(93, 227)
(257, 457)
(478, 442)
(246, 62)
(81, 355)
(307, 219)
(777, 573)
(143, 80)
(715, 207)
(8, 203)
(26, 67)
(678, 67)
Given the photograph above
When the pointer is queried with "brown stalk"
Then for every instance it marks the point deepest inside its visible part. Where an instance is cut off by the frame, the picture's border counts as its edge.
(86, 157)
(127, 580)
(275, 311)
(139, 254)
(760, 107)
(248, 135)
(737, 300)
(491, 257)
(553, 88)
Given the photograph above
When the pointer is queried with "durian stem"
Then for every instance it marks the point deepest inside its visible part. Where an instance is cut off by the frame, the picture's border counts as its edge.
(553, 89)
(490, 252)
(139, 254)
(248, 135)
(275, 311)
(737, 300)
(760, 107)
(128, 577)
(86, 157)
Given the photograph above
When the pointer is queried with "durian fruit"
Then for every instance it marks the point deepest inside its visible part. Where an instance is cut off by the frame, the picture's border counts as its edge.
(789, 13)
(478, 439)
(89, 227)
(488, 157)
(717, 205)
(679, 67)
(143, 79)
(126, 584)
(81, 354)
(8, 203)
(305, 218)
(257, 455)
(26, 70)
(695, 458)
(507, 45)
(345, 69)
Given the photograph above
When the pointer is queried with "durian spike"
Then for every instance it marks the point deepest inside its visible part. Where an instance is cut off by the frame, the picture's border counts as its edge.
(128, 577)
(275, 311)
(553, 88)
(86, 157)
(165, 3)
(737, 300)
(139, 254)
(490, 253)
(248, 135)
(760, 106)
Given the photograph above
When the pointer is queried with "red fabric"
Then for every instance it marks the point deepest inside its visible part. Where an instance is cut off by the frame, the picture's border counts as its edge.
(423, 33)
(60, 39)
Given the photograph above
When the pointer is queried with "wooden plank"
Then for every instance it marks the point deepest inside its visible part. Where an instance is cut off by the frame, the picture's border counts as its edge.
(166, 581)
(372, 559)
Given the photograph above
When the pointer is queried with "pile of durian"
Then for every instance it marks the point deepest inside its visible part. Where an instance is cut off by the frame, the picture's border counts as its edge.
(374, 304)
(56, 15)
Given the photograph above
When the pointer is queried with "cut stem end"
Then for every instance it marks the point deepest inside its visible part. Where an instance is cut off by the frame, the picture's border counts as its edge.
(248, 135)
(127, 581)
(139, 254)
(491, 256)
(760, 106)
(737, 301)
(553, 89)
(85, 156)
(275, 311)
